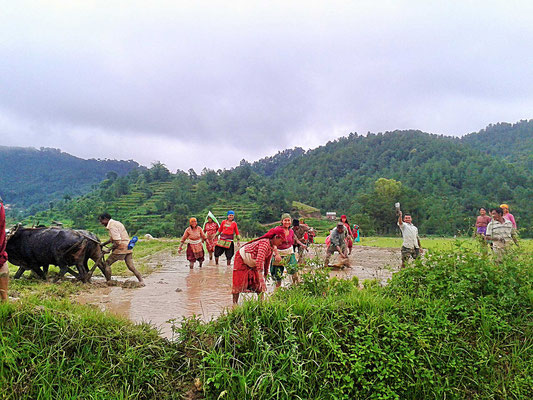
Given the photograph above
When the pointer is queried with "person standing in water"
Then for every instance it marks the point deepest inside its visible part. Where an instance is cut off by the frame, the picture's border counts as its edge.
(337, 243)
(195, 249)
(482, 221)
(349, 235)
(119, 252)
(228, 231)
(210, 229)
(251, 265)
(4, 270)
(284, 253)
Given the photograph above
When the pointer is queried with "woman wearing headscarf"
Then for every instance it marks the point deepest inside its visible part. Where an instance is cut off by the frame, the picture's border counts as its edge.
(284, 253)
(195, 249)
(210, 229)
(228, 231)
(349, 235)
(507, 215)
(251, 265)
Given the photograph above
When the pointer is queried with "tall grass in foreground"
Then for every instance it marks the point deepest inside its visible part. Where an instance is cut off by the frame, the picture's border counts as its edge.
(60, 351)
(454, 326)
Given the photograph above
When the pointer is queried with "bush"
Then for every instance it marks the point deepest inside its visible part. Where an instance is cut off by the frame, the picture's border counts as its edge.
(453, 326)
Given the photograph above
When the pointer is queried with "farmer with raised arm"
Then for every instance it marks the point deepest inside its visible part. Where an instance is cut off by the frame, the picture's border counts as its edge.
(411, 246)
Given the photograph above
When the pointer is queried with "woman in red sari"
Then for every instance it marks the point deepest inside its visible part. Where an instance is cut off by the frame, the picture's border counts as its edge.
(195, 248)
(251, 265)
(349, 235)
(211, 229)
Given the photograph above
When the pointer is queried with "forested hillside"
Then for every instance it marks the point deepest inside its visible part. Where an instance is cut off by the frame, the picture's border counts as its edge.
(511, 141)
(30, 179)
(441, 181)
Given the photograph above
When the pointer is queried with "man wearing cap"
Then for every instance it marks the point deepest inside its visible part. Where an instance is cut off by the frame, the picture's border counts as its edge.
(337, 243)
(119, 251)
(411, 246)
(4, 270)
(227, 231)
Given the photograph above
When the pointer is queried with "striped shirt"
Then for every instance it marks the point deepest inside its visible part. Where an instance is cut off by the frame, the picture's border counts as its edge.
(498, 231)
(260, 251)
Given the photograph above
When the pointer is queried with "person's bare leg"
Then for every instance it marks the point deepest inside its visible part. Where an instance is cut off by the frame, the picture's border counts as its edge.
(260, 296)
(131, 267)
(200, 263)
(295, 278)
(191, 264)
(4, 283)
(216, 260)
(210, 255)
(229, 262)
(278, 284)
(235, 298)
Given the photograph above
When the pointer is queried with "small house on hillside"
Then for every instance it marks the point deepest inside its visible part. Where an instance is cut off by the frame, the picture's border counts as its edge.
(331, 215)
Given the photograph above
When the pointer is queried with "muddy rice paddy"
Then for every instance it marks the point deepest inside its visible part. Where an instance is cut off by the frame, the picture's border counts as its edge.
(175, 291)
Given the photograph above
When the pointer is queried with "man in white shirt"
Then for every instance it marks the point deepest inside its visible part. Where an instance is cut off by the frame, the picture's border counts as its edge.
(411, 246)
(500, 231)
(119, 252)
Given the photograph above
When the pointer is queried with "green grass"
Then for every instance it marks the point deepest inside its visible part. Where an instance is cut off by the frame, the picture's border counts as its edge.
(56, 350)
(430, 243)
(453, 325)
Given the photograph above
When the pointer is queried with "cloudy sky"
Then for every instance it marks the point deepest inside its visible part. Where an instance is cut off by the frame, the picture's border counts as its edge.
(208, 83)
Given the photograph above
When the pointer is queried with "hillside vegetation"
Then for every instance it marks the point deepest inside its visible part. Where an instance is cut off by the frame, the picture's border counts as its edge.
(32, 179)
(441, 181)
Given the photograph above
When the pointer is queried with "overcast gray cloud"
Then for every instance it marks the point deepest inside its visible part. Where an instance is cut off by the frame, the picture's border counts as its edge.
(207, 83)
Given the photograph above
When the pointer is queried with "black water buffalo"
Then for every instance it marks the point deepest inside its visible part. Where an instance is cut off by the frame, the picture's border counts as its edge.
(37, 248)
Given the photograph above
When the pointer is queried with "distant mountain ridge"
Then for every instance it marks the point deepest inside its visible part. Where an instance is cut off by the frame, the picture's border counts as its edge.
(442, 181)
(31, 178)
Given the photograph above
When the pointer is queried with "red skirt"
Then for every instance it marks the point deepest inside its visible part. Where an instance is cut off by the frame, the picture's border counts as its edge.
(192, 256)
(246, 279)
(349, 242)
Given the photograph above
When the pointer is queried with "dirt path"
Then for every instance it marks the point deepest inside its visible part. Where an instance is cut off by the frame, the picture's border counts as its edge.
(174, 291)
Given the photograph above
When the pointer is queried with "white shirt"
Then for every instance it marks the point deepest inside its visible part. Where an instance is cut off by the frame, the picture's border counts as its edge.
(498, 231)
(410, 235)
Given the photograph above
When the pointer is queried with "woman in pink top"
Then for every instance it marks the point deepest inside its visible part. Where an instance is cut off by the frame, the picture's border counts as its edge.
(482, 221)
(195, 249)
(507, 215)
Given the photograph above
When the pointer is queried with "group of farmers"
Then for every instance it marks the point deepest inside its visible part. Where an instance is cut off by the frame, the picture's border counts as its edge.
(281, 247)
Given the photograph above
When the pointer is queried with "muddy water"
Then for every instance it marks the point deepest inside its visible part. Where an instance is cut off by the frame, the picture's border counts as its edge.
(175, 291)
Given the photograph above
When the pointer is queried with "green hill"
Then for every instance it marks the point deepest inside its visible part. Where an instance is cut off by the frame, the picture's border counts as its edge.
(441, 181)
(30, 179)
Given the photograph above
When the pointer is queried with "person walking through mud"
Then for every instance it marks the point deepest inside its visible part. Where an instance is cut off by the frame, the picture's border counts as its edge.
(210, 229)
(284, 253)
(349, 235)
(300, 231)
(482, 221)
(120, 239)
(228, 231)
(195, 248)
(337, 243)
(411, 246)
(251, 265)
(500, 231)
(4, 270)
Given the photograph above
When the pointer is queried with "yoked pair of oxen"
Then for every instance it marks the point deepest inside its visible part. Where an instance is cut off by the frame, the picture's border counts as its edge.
(37, 248)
